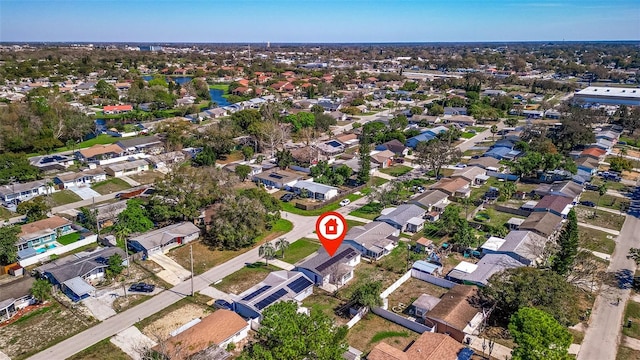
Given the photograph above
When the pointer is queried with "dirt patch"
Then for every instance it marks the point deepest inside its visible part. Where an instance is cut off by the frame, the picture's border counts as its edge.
(408, 292)
(361, 336)
(41, 328)
(161, 328)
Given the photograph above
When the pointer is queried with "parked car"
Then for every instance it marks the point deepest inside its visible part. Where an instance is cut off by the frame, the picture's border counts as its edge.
(461, 165)
(222, 304)
(345, 202)
(287, 197)
(142, 287)
(588, 203)
(591, 187)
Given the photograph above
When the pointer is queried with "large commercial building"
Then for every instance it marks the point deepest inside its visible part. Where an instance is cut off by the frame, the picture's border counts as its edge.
(608, 96)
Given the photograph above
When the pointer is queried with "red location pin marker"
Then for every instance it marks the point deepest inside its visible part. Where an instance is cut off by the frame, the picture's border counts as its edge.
(331, 228)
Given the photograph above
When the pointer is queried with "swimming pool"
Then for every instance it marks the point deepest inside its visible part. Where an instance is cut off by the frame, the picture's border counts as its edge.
(44, 249)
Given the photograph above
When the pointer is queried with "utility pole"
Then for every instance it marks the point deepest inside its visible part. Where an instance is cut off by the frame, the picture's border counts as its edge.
(191, 256)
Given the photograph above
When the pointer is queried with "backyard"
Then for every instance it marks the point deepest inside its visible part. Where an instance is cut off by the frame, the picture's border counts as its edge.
(408, 292)
(245, 278)
(69, 238)
(160, 324)
(606, 200)
(324, 302)
(396, 170)
(110, 186)
(366, 272)
(373, 329)
(596, 240)
(300, 250)
(64, 197)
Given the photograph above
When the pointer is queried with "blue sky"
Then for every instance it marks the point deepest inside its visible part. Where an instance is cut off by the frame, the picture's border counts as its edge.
(318, 21)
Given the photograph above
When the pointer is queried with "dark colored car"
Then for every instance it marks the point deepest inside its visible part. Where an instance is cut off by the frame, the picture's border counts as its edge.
(222, 304)
(588, 203)
(142, 287)
(287, 197)
(591, 187)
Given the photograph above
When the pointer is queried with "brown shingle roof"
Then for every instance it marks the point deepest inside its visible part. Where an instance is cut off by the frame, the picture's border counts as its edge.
(99, 149)
(52, 223)
(213, 329)
(432, 346)
(450, 186)
(455, 308)
(384, 351)
(543, 223)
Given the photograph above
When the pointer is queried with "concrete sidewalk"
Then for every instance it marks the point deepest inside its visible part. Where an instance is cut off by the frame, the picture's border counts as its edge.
(130, 181)
(610, 231)
(601, 255)
(499, 351)
(355, 218)
(279, 263)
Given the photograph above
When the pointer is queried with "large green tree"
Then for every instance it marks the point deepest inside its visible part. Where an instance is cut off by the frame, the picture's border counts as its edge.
(546, 290)
(538, 336)
(134, 218)
(34, 209)
(8, 240)
(16, 167)
(367, 294)
(287, 334)
(41, 290)
(568, 242)
(236, 223)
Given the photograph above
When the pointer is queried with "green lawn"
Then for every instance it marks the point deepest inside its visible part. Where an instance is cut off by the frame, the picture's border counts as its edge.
(291, 207)
(632, 313)
(223, 87)
(378, 181)
(322, 301)
(69, 238)
(388, 334)
(245, 278)
(64, 197)
(396, 170)
(353, 223)
(596, 240)
(496, 218)
(280, 227)
(104, 349)
(626, 353)
(369, 211)
(100, 139)
(606, 200)
(300, 250)
(110, 186)
(6, 214)
(478, 129)
(603, 218)
(468, 135)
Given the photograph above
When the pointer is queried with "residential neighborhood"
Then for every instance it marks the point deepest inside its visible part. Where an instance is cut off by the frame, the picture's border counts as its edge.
(172, 212)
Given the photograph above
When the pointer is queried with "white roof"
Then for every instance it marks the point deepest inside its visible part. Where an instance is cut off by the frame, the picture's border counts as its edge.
(466, 267)
(493, 243)
(314, 186)
(611, 91)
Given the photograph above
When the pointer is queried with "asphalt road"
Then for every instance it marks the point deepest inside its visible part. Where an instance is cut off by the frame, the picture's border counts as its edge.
(603, 334)
(302, 227)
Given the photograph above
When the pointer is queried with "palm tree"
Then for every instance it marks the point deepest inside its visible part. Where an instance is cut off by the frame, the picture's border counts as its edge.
(282, 244)
(509, 188)
(602, 189)
(266, 251)
(122, 232)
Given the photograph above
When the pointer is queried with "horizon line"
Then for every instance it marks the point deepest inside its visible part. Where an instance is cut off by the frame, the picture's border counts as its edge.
(314, 42)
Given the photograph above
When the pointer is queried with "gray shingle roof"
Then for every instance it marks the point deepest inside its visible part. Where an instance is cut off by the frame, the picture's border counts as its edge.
(373, 236)
(164, 235)
(402, 214)
(81, 266)
(322, 263)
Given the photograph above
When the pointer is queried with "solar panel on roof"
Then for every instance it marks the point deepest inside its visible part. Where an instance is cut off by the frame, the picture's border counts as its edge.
(256, 293)
(347, 253)
(299, 284)
(275, 176)
(271, 299)
(465, 354)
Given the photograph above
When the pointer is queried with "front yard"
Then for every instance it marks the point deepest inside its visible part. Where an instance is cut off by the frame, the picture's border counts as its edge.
(396, 170)
(606, 200)
(596, 240)
(300, 250)
(369, 211)
(291, 207)
(111, 186)
(105, 349)
(40, 329)
(204, 258)
(632, 313)
(603, 218)
(245, 278)
(64, 197)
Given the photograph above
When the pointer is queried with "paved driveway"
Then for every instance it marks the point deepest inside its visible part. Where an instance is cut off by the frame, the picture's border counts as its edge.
(133, 342)
(85, 192)
(173, 272)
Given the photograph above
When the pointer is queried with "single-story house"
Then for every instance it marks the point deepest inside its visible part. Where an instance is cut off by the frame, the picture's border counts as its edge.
(348, 139)
(425, 267)
(462, 120)
(126, 168)
(280, 179)
(457, 187)
(52, 162)
(594, 153)
(325, 269)
(428, 346)
(500, 153)
(566, 188)
(555, 204)
(216, 113)
(432, 200)
(423, 137)
(394, 146)
(455, 110)
(14, 296)
(23, 191)
(542, 223)
(76, 277)
(485, 162)
(524, 246)
(473, 174)
(315, 190)
(423, 304)
(487, 266)
(604, 144)
(277, 286)
(456, 314)
(41, 234)
(107, 214)
(514, 223)
(587, 164)
(81, 178)
(383, 159)
(209, 337)
(331, 148)
(99, 152)
(116, 109)
(165, 160)
(151, 145)
(373, 240)
(406, 217)
(164, 238)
